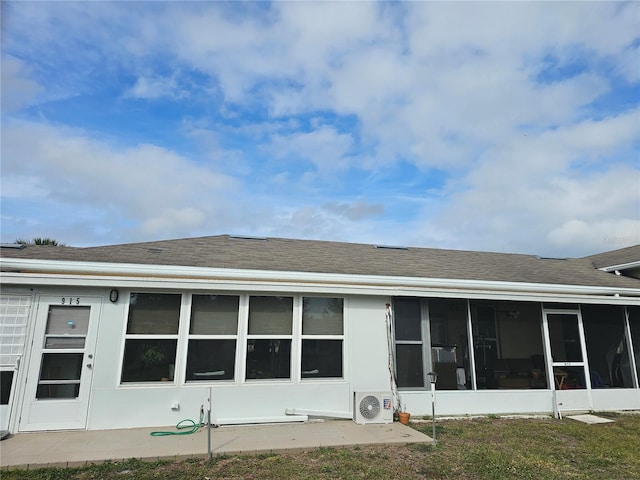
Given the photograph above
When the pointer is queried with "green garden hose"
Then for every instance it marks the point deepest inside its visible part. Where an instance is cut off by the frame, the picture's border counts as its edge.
(184, 427)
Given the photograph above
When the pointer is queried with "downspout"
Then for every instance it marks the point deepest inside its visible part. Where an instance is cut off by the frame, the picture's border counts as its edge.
(392, 375)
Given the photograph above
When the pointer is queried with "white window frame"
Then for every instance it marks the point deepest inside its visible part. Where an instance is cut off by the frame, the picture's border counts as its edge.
(293, 354)
(195, 336)
(178, 368)
(302, 337)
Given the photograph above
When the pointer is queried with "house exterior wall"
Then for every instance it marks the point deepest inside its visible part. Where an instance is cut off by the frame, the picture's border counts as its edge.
(238, 401)
(112, 404)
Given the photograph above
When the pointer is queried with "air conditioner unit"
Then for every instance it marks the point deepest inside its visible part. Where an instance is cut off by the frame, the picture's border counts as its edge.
(373, 407)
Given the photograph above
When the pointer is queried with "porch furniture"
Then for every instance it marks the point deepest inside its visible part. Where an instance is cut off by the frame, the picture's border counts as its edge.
(516, 373)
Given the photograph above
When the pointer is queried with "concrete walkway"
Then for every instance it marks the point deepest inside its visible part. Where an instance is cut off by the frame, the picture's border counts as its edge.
(75, 448)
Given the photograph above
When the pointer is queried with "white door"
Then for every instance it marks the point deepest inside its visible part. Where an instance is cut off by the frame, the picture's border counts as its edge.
(61, 363)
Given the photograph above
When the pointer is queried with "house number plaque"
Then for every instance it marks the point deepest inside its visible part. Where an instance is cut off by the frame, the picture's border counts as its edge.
(70, 301)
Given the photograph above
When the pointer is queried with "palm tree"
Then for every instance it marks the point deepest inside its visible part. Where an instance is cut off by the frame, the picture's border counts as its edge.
(40, 241)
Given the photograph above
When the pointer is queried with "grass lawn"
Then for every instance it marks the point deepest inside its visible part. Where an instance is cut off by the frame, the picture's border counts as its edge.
(489, 448)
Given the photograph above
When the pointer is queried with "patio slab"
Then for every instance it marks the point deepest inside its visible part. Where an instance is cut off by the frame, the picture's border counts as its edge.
(75, 448)
(588, 418)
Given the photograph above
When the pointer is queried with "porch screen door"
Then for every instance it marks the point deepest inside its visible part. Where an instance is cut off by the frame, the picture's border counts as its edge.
(60, 370)
(569, 367)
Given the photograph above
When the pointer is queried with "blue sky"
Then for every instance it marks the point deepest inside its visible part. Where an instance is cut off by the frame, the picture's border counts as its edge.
(506, 126)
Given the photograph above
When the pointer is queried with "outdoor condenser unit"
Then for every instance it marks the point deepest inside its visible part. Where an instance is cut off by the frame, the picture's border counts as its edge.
(372, 407)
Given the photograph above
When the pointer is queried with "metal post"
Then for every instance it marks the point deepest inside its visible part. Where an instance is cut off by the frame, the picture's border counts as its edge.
(209, 455)
(433, 377)
(433, 410)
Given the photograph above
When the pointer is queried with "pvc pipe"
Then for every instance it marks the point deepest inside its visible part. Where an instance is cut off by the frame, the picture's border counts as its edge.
(318, 413)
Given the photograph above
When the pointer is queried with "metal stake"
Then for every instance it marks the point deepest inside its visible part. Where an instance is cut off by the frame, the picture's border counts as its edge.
(209, 427)
(433, 377)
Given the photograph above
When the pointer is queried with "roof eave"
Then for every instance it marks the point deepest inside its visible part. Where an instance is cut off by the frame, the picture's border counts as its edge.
(50, 272)
(621, 267)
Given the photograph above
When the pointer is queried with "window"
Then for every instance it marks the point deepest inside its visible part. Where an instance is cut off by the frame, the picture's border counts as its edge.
(448, 324)
(518, 362)
(6, 378)
(607, 350)
(322, 337)
(269, 338)
(151, 338)
(212, 337)
(409, 345)
(433, 334)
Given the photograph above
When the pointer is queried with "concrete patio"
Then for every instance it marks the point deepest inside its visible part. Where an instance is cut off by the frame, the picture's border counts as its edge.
(76, 448)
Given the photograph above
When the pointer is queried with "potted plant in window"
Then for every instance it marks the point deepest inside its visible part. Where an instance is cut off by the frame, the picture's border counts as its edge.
(153, 357)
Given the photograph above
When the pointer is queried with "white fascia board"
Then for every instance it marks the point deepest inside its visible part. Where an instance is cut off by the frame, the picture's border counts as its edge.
(122, 275)
(622, 266)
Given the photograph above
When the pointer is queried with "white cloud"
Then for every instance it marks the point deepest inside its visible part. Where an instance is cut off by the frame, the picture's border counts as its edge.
(355, 211)
(17, 89)
(157, 87)
(554, 192)
(500, 97)
(173, 221)
(327, 149)
(146, 184)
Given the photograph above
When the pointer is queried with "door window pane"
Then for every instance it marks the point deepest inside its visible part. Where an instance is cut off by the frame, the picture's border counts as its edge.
(321, 358)
(68, 320)
(61, 366)
(58, 391)
(214, 315)
(153, 313)
(211, 360)
(270, 315)
(569, 378)
(59, 375)
(564, 337)
(268, 359)
(64, 342)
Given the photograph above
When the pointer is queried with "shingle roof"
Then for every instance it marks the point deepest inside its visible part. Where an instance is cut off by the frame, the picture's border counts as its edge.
(614, 258)
(278, 254)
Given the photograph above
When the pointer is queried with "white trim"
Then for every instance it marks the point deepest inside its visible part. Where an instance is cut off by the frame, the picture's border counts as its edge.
(621, 266)
(61, 273)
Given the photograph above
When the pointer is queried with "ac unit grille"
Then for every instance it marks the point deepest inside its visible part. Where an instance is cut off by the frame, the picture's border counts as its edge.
(369, 407)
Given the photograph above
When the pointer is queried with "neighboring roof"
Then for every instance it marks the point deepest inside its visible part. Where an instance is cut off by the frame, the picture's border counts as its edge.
(277, 254)
(623, 256)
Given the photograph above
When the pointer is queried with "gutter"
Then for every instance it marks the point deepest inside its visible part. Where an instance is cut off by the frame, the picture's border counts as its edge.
(622, 266)
(17, 271)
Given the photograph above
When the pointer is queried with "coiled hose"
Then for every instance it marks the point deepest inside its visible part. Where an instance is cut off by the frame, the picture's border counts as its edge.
(184, 427)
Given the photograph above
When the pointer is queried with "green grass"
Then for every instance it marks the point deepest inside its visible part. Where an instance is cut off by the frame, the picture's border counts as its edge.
(478, 449)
